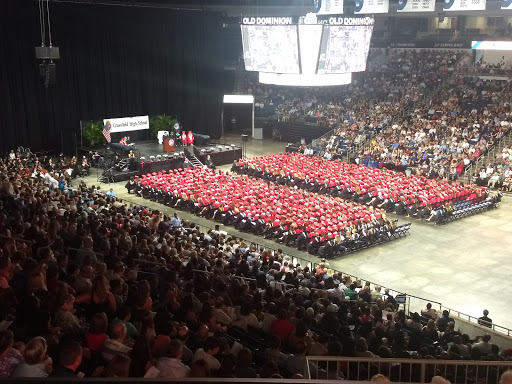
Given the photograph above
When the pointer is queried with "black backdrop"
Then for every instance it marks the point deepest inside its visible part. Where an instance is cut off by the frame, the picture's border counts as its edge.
(115, 62)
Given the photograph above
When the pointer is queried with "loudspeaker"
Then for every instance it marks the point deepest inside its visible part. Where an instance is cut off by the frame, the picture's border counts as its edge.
(47, 53)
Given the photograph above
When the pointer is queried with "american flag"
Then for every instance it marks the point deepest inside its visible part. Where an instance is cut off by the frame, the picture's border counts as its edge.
(106, 131)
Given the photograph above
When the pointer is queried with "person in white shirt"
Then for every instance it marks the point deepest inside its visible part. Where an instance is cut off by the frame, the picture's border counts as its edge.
(170, 365)
(246, 319)
(430, 312)
(484, 347)
(223, 314)
(337, 291)
(211, 348)
(115, 346)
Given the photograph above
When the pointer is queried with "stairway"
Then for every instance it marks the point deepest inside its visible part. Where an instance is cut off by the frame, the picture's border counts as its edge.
(195, 162)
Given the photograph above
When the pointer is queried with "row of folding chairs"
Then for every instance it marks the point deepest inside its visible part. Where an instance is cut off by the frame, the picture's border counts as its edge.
(467, 210)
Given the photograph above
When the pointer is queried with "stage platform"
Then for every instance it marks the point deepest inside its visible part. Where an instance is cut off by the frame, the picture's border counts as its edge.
(220, 151)
(150, 156)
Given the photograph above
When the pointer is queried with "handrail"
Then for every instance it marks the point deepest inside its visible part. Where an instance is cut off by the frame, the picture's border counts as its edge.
(30, 242)
(85, 250)
(142, 261)
(473, 319)
(244, 278)
(408, 361)
(484, 71)
(407, 370)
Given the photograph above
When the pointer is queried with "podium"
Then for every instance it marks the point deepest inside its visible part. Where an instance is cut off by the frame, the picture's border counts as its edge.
(169, 143)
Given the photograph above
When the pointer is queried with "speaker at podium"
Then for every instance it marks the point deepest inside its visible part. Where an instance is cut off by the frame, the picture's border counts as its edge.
(169, 143)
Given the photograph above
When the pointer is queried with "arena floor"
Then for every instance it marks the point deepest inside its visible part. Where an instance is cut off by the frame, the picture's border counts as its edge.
(463, 264)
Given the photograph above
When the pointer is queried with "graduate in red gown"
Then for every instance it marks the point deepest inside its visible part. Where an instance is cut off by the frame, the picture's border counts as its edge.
(190, 138)
(183, 138)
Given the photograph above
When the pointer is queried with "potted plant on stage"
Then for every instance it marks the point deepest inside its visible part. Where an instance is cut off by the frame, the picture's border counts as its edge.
(160, 123)
(92, 133)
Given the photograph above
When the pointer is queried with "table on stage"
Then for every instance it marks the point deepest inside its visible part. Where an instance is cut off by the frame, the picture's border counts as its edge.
(220, 157)
(122, 149)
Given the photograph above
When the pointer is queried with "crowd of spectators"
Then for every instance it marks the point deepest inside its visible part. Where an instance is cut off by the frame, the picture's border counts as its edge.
(443, 134)
(90, 286)
(497, 174)
(450, 132)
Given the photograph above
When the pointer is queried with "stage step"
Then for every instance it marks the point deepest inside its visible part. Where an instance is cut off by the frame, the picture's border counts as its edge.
(195, 162)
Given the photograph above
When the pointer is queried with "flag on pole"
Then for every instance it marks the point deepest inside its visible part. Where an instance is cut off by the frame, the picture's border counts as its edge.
(106, 131)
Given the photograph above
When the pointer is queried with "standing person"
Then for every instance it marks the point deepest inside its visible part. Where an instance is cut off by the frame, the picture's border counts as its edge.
(183, 138)
(175, 221)
(190, 138)
(485, 320)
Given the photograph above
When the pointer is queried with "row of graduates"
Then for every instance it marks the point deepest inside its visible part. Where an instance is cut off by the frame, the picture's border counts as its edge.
(402, 206)
(385, 202)
(354, 235)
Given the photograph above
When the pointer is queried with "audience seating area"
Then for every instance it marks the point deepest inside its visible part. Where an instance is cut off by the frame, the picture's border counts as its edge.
(91, 286)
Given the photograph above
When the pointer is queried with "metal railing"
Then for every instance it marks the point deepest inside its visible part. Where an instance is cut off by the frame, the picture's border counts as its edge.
(405, 370)
(15, 240)
(474, 319)
(243, 279)
(483, 71)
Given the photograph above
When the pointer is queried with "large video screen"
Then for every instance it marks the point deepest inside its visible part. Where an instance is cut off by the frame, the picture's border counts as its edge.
(271, 48)
(344, 48)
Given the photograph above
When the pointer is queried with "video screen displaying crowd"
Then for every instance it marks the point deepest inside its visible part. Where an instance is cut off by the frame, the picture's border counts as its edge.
(91, 286)
(379, 188)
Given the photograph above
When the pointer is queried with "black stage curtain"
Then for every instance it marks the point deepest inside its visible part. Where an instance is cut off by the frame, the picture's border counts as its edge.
(115, 61)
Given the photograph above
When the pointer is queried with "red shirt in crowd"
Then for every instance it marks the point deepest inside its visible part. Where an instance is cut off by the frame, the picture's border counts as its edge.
(282, 328)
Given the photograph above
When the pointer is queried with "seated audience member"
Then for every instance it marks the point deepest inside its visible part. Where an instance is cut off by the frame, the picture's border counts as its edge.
(483, 346)
(115, 345)
(429, 312)
(297, 363)
(208, 353)
(96, 335)
(442, 322)
(70, 358)
(64, 317)
(9, 357)
(170, 365)
(119, 366)
(37, 363)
